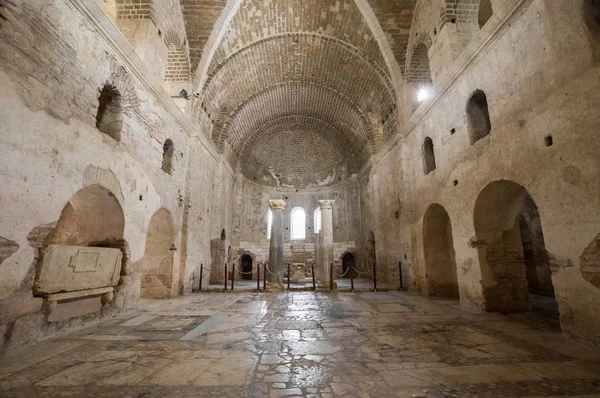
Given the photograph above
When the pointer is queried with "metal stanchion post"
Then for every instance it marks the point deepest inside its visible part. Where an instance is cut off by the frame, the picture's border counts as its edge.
(352, 278)
(200, 284)
(313, 277)
(375, 277)
(289, 276)
(265, 277)
(257, 278)
(400, 273)
(331, 277)
(225, 276)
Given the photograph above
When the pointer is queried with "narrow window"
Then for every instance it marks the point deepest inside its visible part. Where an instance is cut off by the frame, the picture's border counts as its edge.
(478, 116)
(428, 156)
(298, 224)
(168, 150)
(109, 118)
(269, 223)
(318, 220)
(485, 12)
(419, 76)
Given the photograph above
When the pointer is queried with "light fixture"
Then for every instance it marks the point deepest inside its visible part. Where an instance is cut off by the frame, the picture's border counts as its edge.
(182, 94)
(423, 94)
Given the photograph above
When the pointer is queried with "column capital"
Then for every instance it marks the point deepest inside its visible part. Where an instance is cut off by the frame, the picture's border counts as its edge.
(275, 204)
(326, 204)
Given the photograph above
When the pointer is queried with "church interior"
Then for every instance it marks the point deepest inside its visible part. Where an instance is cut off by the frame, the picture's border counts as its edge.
(299, 198)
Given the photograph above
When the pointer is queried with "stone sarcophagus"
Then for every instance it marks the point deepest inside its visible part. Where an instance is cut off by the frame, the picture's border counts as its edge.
(77, 268)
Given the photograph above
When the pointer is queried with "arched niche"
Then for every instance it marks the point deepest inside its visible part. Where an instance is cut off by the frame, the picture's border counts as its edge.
(478, 116)
(511, 249)
(157, 266)
(438, 247)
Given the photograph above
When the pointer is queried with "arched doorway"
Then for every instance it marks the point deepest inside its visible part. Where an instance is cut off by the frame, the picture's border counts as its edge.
(157, 263)
(349, 265)
(246, 264)
(514, 263)
(371, 251)
(438, 247)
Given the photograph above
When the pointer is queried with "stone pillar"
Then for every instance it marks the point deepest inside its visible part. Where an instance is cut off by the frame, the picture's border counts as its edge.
(326, 240)
(276, 244)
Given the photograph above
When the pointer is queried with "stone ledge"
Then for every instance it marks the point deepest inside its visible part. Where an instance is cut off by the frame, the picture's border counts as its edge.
(78, 294)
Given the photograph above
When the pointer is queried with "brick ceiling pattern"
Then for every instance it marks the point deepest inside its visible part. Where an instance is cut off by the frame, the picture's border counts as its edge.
(316, 61)
(395, 18)
(199, 17)
(296, 151)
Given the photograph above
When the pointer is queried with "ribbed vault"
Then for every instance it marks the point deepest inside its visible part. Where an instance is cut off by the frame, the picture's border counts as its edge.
(316, 62)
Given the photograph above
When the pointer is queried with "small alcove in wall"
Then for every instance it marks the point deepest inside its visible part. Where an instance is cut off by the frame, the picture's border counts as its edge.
(478, 116)
(109, 118)
(428, 156)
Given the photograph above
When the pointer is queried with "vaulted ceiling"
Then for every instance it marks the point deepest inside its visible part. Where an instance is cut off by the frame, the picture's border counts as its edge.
(298, 92)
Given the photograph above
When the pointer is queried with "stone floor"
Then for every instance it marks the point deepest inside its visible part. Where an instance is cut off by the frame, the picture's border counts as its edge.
(390, 344)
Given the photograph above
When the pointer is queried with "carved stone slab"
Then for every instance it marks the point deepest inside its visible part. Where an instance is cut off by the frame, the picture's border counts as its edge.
(73, 268)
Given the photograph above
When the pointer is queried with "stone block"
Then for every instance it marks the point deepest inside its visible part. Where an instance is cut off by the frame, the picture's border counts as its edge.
(72, 268)
(76, 307)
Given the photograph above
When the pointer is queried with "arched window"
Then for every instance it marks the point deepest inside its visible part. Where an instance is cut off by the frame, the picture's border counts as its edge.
(168, 150)
(298, 224)
(419, 76)
(478, 116)
(428, 156)
(485, 12)
(318, 220)
(269, 223)
(109, 118)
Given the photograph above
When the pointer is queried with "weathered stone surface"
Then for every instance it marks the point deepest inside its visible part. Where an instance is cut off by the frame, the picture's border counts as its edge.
(71, 268)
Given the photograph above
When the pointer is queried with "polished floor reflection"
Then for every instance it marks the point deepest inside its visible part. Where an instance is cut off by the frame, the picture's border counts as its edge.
(306, 344)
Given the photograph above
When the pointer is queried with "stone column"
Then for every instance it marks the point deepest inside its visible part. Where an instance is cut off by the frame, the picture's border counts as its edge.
(276, 244)
(326, 240)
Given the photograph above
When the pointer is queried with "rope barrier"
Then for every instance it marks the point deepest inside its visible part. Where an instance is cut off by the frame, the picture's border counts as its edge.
(267, 268)
(245, 273)
(343, 274)
(370, 271)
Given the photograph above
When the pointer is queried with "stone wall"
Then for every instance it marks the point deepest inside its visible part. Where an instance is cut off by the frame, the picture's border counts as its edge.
(251, 209)
(52, 73)
(544, 119)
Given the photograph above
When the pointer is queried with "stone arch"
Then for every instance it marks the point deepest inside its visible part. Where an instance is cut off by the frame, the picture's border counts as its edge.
(120, 79)
(92, 217)
(428, 156)
(157, 267)
(510, 246)
(478, 116)
(438, 250)
(168, 152)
